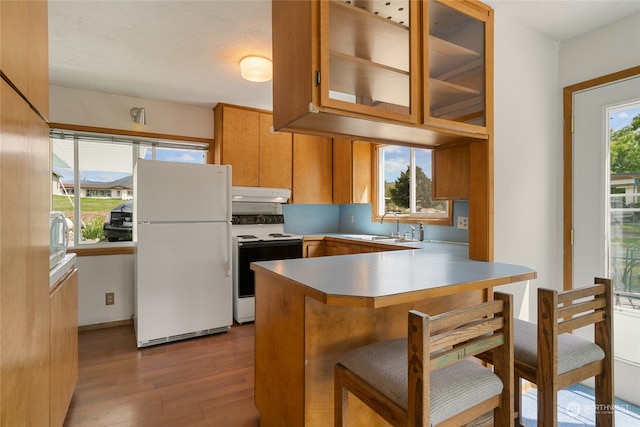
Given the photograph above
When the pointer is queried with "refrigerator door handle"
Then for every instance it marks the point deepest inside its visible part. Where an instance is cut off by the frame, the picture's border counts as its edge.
(229, 248)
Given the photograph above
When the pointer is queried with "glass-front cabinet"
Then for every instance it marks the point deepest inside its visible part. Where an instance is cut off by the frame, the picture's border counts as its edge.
(401, 71)
(366, 61)
(455, 67)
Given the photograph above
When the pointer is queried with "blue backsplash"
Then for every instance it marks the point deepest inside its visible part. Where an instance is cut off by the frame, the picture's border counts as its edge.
(319, 219)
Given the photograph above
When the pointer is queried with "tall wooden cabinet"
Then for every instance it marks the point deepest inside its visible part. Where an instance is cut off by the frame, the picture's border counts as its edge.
(24, 215)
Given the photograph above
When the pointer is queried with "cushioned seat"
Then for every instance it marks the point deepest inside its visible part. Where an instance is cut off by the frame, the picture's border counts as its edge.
(454, 388)
(431, 377)
(573, 352)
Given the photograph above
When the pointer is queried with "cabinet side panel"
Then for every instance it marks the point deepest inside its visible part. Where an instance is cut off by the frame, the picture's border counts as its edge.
(279, 352)
(24, 50)
(276, 153)
(292, 29)
(64, 347)
(25, 183)
(481, 201)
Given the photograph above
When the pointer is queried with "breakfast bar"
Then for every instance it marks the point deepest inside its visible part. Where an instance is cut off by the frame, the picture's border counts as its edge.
(309, 311)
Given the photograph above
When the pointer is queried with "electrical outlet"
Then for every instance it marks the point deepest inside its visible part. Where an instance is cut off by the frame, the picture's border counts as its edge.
(109, 298)
(463, 223)
(351, 219)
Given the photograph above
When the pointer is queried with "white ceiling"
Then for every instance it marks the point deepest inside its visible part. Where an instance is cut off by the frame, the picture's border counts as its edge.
(188, 52)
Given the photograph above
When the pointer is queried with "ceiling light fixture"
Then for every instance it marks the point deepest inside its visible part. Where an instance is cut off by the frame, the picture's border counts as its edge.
(138, 115)
(256, 69)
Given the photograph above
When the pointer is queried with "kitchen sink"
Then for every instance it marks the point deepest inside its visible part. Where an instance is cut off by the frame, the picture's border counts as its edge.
(378, 238)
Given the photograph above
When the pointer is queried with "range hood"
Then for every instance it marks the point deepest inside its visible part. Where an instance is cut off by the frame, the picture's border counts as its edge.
(260, 194)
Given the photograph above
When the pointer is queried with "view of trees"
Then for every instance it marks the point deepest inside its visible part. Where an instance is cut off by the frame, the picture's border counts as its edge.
(625, 148)
(399, 193)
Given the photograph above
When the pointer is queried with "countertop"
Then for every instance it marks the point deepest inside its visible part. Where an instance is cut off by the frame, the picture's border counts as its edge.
(59, 270)
(384, 278)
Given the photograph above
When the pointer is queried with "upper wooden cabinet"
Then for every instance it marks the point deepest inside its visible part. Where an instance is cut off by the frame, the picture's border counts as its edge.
(244, 140)
(458, 69)
(312, 169)
(24, 50)
(405, 71)
(352, 171)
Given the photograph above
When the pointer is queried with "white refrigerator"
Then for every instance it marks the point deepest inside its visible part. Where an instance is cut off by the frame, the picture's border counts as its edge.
(182, 240)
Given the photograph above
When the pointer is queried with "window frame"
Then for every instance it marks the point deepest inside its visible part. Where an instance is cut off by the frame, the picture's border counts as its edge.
(403, 218)
(126, 247)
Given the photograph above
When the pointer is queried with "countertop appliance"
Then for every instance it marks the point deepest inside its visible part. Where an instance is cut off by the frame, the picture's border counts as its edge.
(258, 235)
(58, 238)
(182, 235)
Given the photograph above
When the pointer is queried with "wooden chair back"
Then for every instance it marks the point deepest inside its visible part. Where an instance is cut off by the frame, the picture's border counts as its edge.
(564, 312)
(435, 342)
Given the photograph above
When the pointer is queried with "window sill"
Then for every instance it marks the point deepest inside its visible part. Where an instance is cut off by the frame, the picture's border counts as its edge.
(119, 248)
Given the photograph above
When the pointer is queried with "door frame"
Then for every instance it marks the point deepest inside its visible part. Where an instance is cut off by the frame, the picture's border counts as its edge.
(567, 137)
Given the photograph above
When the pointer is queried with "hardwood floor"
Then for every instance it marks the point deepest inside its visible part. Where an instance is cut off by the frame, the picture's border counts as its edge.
(206, 381)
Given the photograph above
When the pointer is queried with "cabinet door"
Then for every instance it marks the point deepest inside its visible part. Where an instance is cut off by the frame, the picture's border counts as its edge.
(276, 153)
(366, 63)
(451, 172)
(312, 169)
(238, 143)
(351, 171)
(64, 347)
(342, 171)
(458, 39)
(24, 50)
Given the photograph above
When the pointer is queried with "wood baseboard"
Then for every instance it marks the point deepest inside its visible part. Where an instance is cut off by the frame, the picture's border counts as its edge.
(105, 325)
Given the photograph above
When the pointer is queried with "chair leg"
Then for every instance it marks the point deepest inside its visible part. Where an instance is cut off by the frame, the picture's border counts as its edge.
(339, 399)
(605, 400)
(547, 405)
(517, 399)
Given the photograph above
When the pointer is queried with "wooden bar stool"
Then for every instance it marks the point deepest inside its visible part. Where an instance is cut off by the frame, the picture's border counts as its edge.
(553, 359)
(431, 377)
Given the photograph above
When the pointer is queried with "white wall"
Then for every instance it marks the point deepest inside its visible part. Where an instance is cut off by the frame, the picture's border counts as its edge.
(528, 159)
(87, 108)
(614, 47)
(98, 275)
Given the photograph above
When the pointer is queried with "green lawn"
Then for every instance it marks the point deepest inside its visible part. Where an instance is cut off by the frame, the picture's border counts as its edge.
(93, 211)
(87, 204)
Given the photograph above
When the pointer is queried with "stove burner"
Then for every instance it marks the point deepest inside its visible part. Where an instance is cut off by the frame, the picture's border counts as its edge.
(279, 235)
(246, 236)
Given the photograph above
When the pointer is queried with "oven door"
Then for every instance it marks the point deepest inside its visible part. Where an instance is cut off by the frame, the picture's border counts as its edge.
(269, 250)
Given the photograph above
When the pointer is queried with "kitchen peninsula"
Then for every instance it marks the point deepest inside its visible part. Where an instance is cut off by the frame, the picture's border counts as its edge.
(310, 311)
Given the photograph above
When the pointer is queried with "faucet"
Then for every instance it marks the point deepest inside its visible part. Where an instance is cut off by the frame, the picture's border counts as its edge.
(397, 222)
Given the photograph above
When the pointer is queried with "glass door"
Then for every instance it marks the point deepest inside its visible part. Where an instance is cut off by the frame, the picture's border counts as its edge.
(366, 61)
(606, 227)
(455, 66)
(624, 197)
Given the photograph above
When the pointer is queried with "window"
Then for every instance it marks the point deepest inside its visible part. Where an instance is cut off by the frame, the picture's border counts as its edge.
(92, 180)
(624, 201)
(405, 187)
